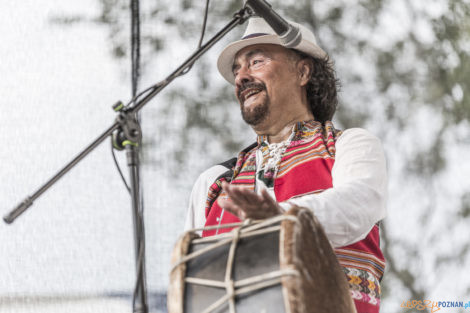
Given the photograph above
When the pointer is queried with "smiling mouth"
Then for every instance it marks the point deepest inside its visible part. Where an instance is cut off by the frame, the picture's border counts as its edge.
(249, 93)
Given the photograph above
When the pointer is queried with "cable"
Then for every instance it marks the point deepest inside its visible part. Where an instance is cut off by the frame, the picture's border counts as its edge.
(185, 71)
(135, 64)
(139, 271)
(203, 31)
(135, 45)
(135, 55)
(118, 167)
(140, 94)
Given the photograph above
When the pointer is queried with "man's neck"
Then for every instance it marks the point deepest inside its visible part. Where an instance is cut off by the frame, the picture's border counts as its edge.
(279, 132)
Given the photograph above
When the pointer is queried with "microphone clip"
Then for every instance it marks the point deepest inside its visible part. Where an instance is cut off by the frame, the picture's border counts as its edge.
(128, 133)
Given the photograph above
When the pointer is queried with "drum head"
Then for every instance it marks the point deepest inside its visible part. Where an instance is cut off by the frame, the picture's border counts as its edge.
(254, 256)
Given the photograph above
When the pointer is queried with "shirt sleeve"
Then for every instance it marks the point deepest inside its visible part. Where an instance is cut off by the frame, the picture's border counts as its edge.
(196, 216)
(350, 209)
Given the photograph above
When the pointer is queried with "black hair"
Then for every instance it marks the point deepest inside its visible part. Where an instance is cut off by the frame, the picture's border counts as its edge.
(322, 87)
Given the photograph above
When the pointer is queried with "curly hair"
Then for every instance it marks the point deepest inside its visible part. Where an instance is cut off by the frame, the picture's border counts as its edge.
(322, 88)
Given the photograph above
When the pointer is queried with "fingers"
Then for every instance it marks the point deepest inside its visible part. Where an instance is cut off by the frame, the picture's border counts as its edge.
(245, 203)
(229, 206)
(270, 202)
(240, 196)
(266, 197)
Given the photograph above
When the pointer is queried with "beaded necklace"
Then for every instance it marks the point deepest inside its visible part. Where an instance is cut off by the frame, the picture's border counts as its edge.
(268, 161)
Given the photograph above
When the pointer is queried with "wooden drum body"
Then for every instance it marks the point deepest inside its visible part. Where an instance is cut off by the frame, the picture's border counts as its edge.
(282, 264)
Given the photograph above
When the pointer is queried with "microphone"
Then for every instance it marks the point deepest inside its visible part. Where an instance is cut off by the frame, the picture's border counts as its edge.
(289, 35)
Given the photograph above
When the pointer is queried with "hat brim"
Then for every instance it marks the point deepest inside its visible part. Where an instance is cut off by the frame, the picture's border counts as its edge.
(227, 56)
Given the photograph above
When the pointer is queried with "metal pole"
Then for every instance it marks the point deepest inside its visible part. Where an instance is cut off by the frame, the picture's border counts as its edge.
(239, 18)
(125, 122)
(140, 304)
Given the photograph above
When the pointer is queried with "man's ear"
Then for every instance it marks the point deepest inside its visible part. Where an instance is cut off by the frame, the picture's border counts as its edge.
(305, 69)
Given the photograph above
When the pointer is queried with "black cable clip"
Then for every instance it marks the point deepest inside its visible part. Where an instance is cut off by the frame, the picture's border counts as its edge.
(129, 132)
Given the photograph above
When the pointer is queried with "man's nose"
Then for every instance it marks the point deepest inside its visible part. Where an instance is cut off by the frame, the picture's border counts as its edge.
(243, 76)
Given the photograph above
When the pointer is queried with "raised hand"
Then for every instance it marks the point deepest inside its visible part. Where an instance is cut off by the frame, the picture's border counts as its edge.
(245, 203)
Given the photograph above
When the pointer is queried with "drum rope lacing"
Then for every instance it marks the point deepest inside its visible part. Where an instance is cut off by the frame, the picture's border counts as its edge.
(248, 228)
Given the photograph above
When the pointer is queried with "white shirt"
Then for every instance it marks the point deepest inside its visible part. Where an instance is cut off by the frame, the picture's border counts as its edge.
(348, 210)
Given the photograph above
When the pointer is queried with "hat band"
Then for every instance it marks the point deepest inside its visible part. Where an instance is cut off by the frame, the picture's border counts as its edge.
(254, 35)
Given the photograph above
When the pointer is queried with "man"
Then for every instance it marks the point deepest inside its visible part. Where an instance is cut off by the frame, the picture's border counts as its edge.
(289, 97)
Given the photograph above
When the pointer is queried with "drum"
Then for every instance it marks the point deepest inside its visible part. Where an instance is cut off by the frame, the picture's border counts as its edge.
(282, 264)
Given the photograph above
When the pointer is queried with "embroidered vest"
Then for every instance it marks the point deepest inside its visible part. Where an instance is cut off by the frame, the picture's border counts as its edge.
(305, 168)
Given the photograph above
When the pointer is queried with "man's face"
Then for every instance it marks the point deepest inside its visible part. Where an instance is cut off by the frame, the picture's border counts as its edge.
(265, 81)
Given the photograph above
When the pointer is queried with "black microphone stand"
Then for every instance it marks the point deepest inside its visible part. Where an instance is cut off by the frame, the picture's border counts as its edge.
(127, 134)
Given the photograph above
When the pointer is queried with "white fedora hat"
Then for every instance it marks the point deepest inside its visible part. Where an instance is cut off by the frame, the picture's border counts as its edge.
(259, 32)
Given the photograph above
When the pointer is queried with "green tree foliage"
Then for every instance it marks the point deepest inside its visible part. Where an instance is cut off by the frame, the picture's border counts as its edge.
(405, 72)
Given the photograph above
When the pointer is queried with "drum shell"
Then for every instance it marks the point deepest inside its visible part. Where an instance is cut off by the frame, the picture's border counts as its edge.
(300, 245)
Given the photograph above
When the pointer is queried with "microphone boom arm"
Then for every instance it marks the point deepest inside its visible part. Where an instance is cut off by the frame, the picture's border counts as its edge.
(239, 18)
(126, 124)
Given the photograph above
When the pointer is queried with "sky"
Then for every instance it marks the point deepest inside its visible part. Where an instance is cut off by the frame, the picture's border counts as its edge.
(57, 88)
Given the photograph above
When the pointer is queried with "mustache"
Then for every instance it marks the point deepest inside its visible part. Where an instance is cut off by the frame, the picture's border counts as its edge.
(249, 85)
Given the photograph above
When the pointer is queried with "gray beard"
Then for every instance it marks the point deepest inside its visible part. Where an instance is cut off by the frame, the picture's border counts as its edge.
(257, 115)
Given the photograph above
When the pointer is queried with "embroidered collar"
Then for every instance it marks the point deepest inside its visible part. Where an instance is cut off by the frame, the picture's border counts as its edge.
(300, 130)
(269, 155)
